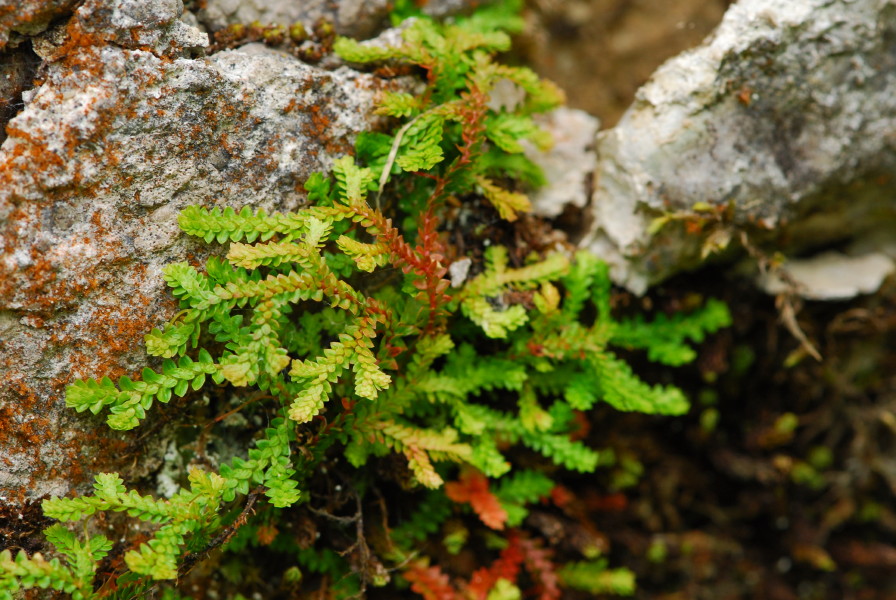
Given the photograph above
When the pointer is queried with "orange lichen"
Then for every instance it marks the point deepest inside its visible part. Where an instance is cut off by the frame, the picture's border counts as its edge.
(23, 15)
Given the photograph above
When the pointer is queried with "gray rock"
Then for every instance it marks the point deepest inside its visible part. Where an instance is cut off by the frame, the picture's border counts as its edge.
(95, 169)
(359, 18)
(29, 17)
(786, 114)
(134, 24)
(569, 165)
(356, 18)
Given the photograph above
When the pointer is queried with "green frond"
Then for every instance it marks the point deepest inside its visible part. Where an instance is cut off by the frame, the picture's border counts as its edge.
(129, 402)
(420, 447)
(497, 164)
(479, 299)
(532, 416)
(318, 187)
(571, 455)
(369, 379)
(309, 402)
(666, 337)
(498, 278)
(507, 203)
(397, 104)
(81, 557)
(173, 339)
(582, 391)
(464, 39)
(361, 53)
(519, 489)
(420, 148)
(26, 573)
(158, 557)
(488, 459)
(352, 181)
(595, 578)
(366, 256)
(421, 466)
(542, 95)
(428, 349)
(507, 130)
(228, 225)
(524, 487)
(271, 254)
(624, 390)
(182, 514)
(187, 284)
(282, 489)
(495, 323)
(426, 520)
(586, 274)
(496, 16)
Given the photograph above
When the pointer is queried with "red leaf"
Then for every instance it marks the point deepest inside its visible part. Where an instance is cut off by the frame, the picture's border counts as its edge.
(266, 534)
(430, 582)
(561, 496)
(473, 488)
(506, 567)
(541, 568)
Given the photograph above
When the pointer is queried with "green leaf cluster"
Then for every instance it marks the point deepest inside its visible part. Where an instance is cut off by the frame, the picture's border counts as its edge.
(463, 129)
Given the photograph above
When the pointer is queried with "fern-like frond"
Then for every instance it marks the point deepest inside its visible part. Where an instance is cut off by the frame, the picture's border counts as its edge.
(352, 181)
(130, 401)
(666, 337)
(420, 149)
(247, 225)
(26, 573)
(507, 203)
(517, 490)
(506, 130)
(397, 104)
(623, 390)
(595, 577)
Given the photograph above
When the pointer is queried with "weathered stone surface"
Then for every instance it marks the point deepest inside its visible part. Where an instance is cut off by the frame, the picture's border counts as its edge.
(786, 114)
(357, 18)
(92, 175)
(140, 24)
(29, 16)
(568, 165)
(350, 17)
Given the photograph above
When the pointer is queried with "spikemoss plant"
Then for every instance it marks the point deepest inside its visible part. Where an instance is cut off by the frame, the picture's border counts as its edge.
(405, 366)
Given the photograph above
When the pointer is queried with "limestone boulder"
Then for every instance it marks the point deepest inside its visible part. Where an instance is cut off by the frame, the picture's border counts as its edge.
(780, 127)
(124, 130)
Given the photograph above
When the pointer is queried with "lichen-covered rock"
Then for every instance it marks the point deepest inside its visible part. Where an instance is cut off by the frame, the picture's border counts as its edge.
(107, 150)
(141, 24)
(786, 114)
(29, 17)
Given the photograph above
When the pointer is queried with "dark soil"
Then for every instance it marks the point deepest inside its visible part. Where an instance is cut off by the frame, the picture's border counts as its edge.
(780, 483)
